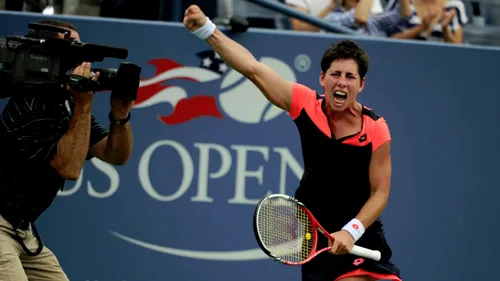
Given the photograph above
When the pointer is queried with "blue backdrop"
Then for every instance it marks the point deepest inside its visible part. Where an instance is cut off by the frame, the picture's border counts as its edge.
(207, 146)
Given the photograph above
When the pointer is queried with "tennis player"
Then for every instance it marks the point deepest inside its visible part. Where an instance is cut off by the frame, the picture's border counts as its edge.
(346, 151)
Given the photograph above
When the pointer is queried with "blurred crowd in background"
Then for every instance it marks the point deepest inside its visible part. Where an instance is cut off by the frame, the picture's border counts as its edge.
(448, 21)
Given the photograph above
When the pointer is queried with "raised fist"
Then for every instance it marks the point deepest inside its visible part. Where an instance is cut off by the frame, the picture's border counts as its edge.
(194, 18)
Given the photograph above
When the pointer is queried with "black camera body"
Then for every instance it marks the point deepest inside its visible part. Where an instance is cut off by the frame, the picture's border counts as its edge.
(41, 63)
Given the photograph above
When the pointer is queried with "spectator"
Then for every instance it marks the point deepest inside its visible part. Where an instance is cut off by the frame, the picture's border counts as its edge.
(316, 8)
(355, 14)
(434, 20)
(377, 7)
(319, 9)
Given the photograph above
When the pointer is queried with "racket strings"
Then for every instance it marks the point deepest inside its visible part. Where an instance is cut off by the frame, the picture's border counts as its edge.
(285, 230)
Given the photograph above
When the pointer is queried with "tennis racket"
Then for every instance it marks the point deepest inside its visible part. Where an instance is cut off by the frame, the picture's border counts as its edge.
(288, 232)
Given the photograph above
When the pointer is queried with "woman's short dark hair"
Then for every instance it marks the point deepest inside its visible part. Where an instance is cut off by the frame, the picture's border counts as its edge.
(346, 49)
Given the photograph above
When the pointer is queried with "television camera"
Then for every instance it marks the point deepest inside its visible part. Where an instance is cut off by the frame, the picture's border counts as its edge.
(41, 62)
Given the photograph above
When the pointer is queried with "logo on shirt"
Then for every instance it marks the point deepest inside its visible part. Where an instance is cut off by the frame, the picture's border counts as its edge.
(362, 138)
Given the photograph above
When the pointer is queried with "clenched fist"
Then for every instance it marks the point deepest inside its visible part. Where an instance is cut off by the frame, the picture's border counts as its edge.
(194, 18)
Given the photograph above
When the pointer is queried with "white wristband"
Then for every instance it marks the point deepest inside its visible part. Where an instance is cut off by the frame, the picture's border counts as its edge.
(205, 31)
(355, 228)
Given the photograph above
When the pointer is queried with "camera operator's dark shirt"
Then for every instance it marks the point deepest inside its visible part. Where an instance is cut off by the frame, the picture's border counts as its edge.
(30, 128)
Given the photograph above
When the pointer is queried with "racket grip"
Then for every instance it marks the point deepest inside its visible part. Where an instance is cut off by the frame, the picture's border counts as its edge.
(366, 253)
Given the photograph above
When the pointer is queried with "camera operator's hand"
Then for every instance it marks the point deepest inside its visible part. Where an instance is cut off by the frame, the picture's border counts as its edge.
(120, 108)
(84, 71)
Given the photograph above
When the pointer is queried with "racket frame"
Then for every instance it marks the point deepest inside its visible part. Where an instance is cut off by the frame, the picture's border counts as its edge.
(259, 240)
(315, 227)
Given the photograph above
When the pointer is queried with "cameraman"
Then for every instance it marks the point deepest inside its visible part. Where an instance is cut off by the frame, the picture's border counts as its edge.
(45, 138)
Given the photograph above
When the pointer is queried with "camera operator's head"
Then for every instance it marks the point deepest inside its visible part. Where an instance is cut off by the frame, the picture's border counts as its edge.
(47, 34)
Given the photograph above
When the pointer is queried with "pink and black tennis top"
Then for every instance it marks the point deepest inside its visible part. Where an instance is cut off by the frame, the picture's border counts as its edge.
(335, 184)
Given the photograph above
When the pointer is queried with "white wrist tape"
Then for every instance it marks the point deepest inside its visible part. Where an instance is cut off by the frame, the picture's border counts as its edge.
(206, 30)
(355, 228)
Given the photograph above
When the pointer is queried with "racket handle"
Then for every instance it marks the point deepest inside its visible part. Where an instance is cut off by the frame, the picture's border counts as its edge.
(366, 253)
